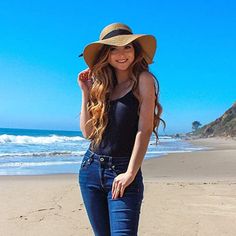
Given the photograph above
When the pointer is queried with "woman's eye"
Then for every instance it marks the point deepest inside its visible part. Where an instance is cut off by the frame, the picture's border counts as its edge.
(126, 47)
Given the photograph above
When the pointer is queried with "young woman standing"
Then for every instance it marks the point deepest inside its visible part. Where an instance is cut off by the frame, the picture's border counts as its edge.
(120, 110)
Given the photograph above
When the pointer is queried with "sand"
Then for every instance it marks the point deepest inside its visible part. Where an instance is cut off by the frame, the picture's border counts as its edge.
(185, 194)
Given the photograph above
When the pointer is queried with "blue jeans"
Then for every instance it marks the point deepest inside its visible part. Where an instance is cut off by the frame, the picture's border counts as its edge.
(109, 217)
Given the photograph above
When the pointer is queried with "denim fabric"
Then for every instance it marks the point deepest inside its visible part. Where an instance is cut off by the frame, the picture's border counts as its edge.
(109, 217)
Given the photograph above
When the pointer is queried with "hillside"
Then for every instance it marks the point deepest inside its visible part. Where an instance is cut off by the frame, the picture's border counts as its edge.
(224, 126)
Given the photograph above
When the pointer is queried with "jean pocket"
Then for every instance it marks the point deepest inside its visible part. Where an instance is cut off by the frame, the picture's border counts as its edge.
(119, 168)
(136, 185)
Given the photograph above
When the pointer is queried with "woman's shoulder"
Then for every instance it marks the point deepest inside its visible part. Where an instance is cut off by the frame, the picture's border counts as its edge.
(146, 85)
(146, 76)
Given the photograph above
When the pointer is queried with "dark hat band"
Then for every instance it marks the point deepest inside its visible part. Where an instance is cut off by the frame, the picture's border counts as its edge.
(112, 34)
(116, 32)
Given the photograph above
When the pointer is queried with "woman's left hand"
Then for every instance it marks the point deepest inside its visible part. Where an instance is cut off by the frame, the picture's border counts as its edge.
(120, 183)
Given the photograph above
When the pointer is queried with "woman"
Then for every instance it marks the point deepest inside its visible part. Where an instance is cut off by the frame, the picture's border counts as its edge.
(120, 110)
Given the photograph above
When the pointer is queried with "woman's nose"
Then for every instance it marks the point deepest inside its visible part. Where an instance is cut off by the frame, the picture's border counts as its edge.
(121, 54)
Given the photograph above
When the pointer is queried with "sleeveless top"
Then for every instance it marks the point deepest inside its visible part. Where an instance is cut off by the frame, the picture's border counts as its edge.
(119, 135)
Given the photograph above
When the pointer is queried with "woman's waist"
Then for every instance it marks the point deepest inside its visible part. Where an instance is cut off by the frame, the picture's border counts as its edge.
(107, 158)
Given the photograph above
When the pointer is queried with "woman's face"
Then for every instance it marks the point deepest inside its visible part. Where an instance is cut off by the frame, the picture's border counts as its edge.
(121, 57)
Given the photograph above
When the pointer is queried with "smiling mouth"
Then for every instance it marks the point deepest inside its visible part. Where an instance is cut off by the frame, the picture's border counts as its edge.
(122, 61)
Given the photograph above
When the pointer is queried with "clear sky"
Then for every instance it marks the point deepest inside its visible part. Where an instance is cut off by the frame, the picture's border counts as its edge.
(40, 42)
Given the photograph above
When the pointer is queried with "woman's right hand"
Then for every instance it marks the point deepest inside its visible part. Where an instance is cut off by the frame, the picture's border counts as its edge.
(85, 80)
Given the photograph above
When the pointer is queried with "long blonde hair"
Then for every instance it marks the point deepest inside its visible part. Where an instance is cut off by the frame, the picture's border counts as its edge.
(104, 81)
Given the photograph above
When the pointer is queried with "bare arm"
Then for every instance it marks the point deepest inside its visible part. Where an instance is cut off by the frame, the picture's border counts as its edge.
(85, 83)
(145, 126)
(84, 117)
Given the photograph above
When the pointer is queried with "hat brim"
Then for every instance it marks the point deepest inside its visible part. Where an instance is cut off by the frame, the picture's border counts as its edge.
(147, 42)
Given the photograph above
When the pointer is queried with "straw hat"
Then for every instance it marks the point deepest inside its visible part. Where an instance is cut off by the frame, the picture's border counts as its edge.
(118, 34)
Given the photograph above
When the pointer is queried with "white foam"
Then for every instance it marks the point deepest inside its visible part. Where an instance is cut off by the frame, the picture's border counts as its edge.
(176, 151)
(24, 139)
(42, 154)
(32, 164)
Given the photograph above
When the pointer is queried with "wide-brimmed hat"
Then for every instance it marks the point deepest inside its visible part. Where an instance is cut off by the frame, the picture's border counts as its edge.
(118, 34)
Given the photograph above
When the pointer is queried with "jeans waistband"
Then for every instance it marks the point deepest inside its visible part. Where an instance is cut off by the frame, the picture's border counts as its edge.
(106, 158)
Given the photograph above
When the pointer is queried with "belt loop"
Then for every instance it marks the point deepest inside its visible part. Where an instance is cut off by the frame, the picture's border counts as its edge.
(91, 154)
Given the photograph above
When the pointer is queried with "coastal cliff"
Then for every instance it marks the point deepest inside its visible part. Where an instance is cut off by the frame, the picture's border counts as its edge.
(224, 126)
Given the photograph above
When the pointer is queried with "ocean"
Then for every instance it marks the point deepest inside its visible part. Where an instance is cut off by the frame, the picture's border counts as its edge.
(42, 152)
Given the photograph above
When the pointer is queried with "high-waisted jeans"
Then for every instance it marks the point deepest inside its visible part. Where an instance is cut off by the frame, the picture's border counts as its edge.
(109, 217)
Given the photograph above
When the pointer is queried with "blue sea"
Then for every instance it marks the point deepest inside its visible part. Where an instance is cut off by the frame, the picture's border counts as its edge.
(41, 152)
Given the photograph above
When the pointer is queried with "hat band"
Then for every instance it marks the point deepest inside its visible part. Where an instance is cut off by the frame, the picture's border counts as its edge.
(116, 32)
(112, 34)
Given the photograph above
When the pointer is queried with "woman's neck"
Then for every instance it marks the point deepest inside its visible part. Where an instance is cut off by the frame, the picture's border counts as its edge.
(122, 77)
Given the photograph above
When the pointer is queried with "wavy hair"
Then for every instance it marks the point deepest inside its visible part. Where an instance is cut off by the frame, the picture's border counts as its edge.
(104, 81)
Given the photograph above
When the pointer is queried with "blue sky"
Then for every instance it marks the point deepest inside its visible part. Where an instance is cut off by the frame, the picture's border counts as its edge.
(40, 42)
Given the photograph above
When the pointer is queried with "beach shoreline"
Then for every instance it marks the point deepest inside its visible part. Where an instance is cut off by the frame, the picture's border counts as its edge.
(189, 193)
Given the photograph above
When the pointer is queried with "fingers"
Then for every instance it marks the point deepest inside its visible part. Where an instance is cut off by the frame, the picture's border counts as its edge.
(114, 187)
(117, 189)
(122, 191)
(85, 75)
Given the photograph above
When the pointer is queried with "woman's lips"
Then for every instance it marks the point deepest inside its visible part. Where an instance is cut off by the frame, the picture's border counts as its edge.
(122, 61)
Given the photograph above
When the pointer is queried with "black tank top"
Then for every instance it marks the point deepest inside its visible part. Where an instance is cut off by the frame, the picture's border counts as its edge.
(119, 135)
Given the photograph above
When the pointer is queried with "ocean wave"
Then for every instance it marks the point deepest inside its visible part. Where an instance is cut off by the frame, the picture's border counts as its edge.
(42, 154)
(24, 139)
(32, 164)
(163, 139)
(174, 151)
(81, 153)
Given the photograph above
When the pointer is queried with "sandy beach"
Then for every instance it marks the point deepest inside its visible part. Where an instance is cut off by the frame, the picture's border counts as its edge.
(186, 194)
